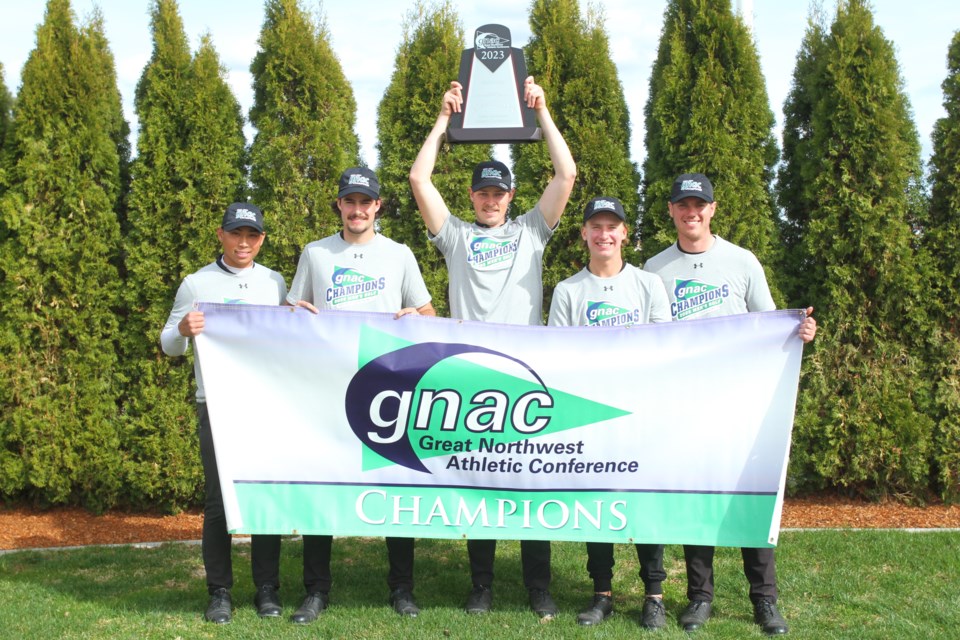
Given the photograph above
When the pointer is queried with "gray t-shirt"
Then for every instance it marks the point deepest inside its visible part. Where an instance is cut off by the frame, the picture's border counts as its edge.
(218, 283)
(630, 297)
(380, 275)
(724, 280)
(496, 275)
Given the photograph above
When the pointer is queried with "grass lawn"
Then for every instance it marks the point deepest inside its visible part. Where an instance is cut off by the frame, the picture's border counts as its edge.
(833, 584)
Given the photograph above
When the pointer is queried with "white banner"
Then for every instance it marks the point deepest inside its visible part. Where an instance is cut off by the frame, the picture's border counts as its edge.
(358, 424)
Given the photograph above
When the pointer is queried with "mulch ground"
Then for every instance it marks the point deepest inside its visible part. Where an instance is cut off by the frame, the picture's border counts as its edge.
(25, 528)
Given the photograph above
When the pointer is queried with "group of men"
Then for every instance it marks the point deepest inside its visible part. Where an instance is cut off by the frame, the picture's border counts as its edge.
(507, 291)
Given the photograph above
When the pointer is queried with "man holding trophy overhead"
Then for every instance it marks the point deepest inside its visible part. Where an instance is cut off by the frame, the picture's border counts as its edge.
(495, 267)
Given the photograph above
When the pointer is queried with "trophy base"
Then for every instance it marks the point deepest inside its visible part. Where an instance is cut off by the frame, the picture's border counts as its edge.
(506, 135)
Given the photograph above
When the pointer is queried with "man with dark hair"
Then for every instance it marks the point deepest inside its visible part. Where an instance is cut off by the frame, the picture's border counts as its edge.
(358, 269)
(233, 278)
(700, 257)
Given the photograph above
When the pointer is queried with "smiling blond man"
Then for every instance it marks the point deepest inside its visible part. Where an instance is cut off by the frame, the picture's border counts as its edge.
(609, 292)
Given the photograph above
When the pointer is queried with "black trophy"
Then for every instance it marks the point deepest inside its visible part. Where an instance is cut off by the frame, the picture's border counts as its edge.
(493, 109)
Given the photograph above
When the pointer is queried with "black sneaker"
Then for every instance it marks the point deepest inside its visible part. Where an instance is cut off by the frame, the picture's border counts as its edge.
(312, 606)
(542, 604)
(653, 616)
(695, 615)
(766, 615)
(402, 602)
(598, 611)
(219, 609)
(480, 600)
(267, 602)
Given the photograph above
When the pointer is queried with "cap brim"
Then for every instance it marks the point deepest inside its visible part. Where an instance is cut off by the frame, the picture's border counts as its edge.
(490, 183)
(366, 192)
(690, 194)
(239, 224)
(620, 217)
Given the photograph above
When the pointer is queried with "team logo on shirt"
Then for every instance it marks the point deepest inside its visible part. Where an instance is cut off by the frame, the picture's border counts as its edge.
(693, 297)
(490, 254)
(604, 314)
(349, 285)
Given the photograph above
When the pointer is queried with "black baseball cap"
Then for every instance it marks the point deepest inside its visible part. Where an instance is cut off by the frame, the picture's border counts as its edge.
(359, 180)
(242, 214)
(491, 174)
(692, 184)
(604, 204)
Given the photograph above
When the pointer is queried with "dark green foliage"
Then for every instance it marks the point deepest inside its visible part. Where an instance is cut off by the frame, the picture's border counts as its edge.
(860, 421)
(941, 241)
(428, 58)
(213, 163)
(304, 113)
(569, 56)
(6, 113)
(112, 119)
(151, 246)
(942, 234)
(59, 247)
(92, 248)
(795, 179)
(941, 370)
(189, 166)
(6, 118)
(708, 112)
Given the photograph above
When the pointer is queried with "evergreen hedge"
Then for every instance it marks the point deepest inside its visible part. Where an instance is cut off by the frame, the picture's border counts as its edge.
(190, 160)
(864, 412)
(304, 113)
(59, 255)
(427, 60)
(708, 112)
(569, 56)
(93, 247)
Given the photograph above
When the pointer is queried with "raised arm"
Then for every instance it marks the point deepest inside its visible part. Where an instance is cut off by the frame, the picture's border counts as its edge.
(432, 207)
(555, 196)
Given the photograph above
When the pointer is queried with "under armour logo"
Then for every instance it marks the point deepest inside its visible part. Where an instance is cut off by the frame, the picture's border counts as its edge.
(610, 288)
(695, 265)
(358, 256)
(243, 285)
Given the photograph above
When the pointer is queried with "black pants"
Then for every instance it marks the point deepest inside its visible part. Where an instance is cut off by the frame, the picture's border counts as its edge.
(265, 549)
(759, 566)
(600, 566)
(215, 541)
(316, 563)
(534, 557)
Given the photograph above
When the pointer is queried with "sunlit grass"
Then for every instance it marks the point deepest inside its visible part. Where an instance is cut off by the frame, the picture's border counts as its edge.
(834, 584)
